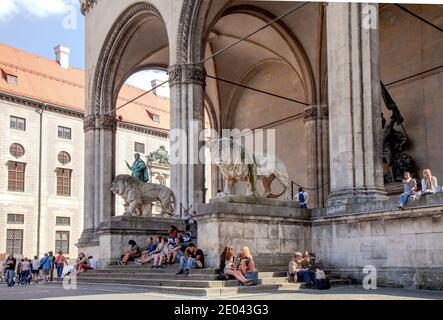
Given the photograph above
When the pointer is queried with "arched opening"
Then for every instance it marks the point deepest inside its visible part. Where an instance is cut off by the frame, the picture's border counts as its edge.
(272, 60)
(130, 121)
(143, 127)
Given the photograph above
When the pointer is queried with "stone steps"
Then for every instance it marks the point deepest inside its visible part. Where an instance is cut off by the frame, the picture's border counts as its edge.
(156, 274)
(206, 292)
(200, 282)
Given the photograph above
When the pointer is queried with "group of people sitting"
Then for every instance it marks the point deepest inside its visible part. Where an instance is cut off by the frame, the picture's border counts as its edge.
(302, 268)
(243, 269)
(176, 247)
(429, 185)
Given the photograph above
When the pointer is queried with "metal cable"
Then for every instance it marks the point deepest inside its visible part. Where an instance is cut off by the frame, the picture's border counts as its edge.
(418, 17)
(258, 90)
(218, 52)
(256, 31)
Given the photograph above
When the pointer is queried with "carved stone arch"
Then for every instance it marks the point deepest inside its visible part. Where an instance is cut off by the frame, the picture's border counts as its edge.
(190, 47)
(103, 95)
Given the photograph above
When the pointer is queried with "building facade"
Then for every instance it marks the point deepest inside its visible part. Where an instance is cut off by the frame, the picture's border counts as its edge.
(42, 150)
(325, 61)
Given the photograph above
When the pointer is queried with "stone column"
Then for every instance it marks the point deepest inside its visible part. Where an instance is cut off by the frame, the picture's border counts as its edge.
(99, 171)
(354, 106)
(106, 127)
(187, 83)
(89, 224)
(317, 151)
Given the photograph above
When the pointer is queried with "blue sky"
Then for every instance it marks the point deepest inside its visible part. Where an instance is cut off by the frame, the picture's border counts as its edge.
(38, 26)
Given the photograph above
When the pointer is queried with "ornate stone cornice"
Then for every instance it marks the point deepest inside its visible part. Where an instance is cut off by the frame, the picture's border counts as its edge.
(316, 112)
(88, 122)
(145, 130)
(120, 34)
(187, 73)
(100, 122)
(86, 5)
(33, 103)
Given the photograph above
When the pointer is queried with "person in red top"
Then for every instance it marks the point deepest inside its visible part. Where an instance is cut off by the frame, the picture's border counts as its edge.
(60, 262)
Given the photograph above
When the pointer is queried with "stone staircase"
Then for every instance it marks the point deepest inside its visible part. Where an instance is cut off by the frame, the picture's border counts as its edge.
(202, 283)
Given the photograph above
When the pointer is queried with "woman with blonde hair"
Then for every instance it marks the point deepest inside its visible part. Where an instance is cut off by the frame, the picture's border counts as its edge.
(230, 268)
(246, 261)
(429, 183)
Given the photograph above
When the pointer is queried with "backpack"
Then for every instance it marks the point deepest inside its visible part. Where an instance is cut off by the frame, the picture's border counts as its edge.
(301, 198)
(252, 276)
(222, 277)
(322, 284)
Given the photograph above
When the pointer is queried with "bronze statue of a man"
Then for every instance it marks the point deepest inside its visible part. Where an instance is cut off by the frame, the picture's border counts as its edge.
(139, 169)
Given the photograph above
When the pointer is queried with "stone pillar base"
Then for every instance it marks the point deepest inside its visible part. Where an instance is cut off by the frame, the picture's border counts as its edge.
(273, 233)
(88, 243)
(111, 240)
(356, 195)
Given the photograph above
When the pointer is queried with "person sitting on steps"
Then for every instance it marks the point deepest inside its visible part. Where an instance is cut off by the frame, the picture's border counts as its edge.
(160, 257)
(246, 261)
(192, 259)
(186, 237)
(131, 255)
(301, 273)
(176, 252)
(230, 268)
(149, 249)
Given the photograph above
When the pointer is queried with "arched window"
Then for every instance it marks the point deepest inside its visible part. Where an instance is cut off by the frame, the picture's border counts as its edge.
(64, 158)
(17, 150)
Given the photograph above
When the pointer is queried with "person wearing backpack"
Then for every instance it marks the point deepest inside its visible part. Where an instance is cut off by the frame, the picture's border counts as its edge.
(303, 198)
(45, 265)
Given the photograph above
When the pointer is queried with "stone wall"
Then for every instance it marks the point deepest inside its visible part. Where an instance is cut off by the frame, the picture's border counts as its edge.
(405, 246)
(272, 234)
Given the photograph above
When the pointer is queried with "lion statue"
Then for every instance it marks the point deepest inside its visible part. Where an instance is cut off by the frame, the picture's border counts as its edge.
(139, 196)
(236, 164)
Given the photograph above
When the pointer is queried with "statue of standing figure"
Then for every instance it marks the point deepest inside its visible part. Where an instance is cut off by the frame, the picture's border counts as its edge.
(139, 169)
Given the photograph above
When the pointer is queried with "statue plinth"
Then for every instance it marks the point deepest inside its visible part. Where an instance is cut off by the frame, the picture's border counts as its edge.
(272, 229)
(113, 235)
(255, 201)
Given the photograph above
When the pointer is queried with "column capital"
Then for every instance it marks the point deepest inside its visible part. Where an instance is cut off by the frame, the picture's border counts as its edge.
(187, 73)
(315, 112)
(99, 121)
(86, 5)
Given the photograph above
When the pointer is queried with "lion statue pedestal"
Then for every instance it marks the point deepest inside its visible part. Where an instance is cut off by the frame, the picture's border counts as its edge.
(115, 233)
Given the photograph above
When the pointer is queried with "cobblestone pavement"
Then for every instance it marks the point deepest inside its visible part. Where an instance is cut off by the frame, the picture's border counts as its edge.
(104, 292)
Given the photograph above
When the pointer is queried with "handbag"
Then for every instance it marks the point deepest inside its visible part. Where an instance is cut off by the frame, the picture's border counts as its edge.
(40, 267)
(253, 275)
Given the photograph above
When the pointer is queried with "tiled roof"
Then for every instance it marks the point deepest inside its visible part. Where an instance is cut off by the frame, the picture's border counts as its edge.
(45, 80)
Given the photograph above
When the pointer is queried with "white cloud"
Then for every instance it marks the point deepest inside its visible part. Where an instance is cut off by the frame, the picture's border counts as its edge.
(142, 80)
(34, 8)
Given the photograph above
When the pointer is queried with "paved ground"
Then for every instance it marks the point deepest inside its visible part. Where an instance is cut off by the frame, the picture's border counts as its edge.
(104, 292)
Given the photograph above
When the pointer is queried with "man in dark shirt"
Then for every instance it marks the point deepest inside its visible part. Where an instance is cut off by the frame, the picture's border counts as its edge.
(10, 265)
(193, 259)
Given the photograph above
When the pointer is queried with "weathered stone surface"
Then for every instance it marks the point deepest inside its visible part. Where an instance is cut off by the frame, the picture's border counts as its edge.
(267, 233)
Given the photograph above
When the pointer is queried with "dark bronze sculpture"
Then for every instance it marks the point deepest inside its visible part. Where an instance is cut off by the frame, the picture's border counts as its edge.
(395, 158)
(139, 169)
